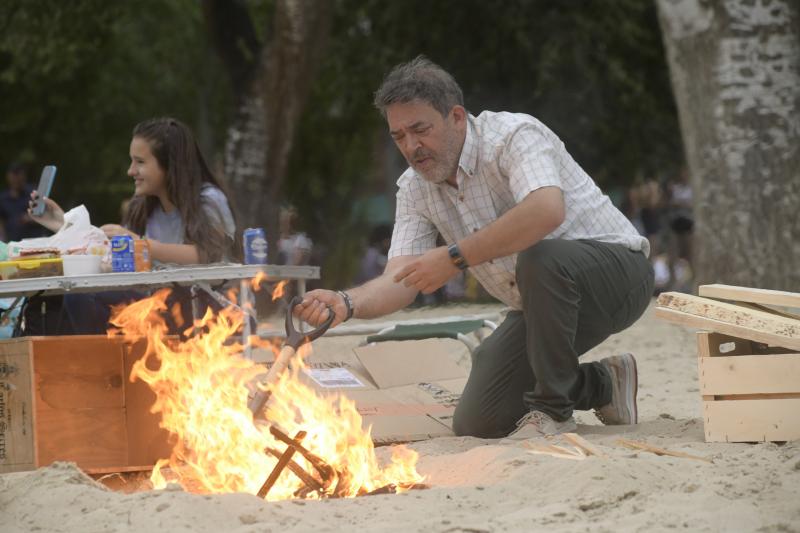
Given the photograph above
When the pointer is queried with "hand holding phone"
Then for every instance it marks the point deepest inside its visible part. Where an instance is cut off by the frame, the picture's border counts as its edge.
(43, 190)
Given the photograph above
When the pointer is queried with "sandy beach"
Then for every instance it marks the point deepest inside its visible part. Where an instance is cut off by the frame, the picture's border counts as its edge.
(481, 485)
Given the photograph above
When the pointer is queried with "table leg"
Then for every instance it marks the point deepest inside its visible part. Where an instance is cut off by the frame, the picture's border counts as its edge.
(247, 302)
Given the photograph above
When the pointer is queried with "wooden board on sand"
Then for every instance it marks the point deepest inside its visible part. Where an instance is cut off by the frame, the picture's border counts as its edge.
(730, 319)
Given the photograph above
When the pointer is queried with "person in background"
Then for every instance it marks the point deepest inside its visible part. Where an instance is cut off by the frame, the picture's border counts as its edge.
(376, 255)
(178, 206)
(681, 225)
(17, 224)
(631, 209)
(650, 213)
(294, 247)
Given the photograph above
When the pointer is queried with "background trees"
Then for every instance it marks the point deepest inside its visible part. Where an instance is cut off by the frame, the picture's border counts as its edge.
(76, 77)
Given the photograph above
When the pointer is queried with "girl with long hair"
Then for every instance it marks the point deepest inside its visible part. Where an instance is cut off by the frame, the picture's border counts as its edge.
(178, 206)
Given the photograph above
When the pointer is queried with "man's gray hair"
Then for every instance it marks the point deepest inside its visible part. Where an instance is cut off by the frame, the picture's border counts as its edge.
(419, 79)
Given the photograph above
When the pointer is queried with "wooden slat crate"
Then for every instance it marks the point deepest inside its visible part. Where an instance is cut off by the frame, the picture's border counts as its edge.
(750, 392)
(70, 399)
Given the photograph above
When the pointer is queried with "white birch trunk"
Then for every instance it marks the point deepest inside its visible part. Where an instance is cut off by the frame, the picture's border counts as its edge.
(735, 68)
(261, 136)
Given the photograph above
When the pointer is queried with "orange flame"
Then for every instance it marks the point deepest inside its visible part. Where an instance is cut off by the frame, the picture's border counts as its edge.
(202, 388)
(279, 290)
(255, 283)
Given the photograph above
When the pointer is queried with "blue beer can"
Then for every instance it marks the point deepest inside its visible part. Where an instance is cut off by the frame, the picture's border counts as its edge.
(255, 246)
(122, 254)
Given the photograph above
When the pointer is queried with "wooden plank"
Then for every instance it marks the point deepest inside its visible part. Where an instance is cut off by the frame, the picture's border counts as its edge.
(79, 398)
(752, 420)
(78, 372)
(91, 470)
(581, 443)
(736, 330)
(727, 345)
(767, 396)
(147, 442)
(17, 445)
(703, 351)
(639, 445)
(771, 310)
(752, 295)
(92, 437)
(731, 314)
(750, 374)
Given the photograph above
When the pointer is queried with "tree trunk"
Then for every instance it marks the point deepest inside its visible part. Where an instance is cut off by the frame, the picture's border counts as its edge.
(735, 69)
(271, 92)
(301, 29)
(246, 149)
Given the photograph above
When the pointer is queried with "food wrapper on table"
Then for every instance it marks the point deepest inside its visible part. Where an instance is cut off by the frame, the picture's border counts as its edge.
(76, 237)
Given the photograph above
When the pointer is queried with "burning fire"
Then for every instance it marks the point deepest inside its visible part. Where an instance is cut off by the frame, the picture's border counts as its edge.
(279, 290)
(201, 388)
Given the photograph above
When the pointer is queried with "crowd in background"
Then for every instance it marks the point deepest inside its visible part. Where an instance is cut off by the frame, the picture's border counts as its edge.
(662, 211)
(15, 223)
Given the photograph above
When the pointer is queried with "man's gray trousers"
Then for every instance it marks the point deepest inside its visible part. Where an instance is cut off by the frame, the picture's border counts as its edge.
(574, 295)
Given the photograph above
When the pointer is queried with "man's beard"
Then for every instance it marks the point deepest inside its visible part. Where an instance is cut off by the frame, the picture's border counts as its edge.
(443, 166)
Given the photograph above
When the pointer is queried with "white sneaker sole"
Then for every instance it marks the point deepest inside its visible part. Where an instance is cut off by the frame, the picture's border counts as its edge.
(631, 376)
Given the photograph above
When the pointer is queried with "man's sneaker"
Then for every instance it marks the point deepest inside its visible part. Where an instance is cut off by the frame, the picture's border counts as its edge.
(538, 424)
(624, 384)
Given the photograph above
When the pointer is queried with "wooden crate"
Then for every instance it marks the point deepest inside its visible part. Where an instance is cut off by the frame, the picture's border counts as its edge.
(70, 399)
(750, 392)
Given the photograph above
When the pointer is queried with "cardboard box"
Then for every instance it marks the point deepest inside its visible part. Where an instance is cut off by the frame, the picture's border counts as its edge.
(405, 391)
(69, 399)
(750, 392)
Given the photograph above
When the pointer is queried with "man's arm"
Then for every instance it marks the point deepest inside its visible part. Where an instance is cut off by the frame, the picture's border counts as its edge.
(522, 226)
(375, 298)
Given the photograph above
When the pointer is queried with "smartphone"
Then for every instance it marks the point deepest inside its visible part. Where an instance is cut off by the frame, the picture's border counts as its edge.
(43, 191)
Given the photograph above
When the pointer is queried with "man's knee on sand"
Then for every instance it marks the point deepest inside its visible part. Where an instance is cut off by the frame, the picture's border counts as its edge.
(472, 420)
(470, 423)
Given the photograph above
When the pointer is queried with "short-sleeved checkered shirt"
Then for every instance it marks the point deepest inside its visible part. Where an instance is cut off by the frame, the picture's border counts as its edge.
(505, 157)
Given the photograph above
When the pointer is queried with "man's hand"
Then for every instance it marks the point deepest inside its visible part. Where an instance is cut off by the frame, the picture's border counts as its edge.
(313, 309)
(429, 272)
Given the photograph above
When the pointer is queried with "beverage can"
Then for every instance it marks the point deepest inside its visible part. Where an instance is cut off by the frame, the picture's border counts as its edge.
(122, 254)
(255, 246)
(141, 255)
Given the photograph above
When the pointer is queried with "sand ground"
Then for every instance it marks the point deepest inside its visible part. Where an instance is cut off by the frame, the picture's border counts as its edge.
(482, 485)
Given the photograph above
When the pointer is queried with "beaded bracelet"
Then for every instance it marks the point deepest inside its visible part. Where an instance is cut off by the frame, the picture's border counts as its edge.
(348, 303)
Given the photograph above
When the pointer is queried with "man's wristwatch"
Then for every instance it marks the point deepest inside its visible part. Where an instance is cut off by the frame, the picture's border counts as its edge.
(348, 303)
(456, 257)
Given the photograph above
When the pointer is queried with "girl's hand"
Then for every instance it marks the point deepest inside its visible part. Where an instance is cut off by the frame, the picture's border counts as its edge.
(114, 230)
(53, 216)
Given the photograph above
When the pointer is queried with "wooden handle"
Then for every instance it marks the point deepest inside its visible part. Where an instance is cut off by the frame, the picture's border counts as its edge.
(260, 397)
(280, 364)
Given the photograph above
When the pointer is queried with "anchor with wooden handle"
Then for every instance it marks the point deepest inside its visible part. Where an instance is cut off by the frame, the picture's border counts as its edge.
(294, 339)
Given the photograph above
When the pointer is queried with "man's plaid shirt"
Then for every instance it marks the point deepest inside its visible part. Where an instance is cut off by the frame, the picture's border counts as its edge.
(505, 157)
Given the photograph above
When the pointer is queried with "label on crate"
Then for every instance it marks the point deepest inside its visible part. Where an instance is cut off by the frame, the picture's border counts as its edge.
(334, 378)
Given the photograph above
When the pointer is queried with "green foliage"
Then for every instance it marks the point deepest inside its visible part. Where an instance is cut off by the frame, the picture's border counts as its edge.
(77, 76)
(593, 71)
